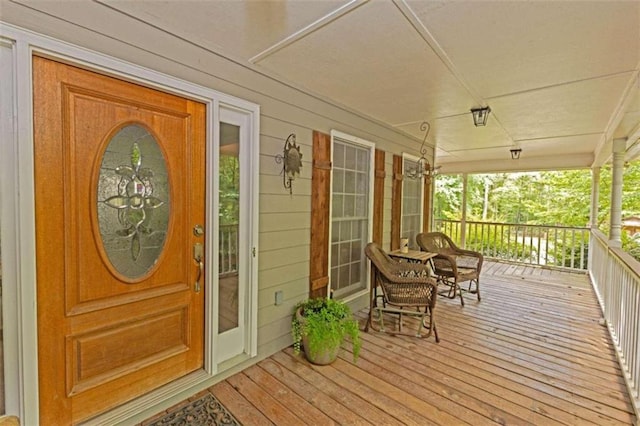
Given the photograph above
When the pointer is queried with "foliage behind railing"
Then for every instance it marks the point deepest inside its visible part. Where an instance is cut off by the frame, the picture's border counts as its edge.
(228, 253)
(616, 279)
(558, 246)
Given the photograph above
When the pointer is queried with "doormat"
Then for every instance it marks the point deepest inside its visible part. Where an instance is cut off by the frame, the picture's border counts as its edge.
(206, 410)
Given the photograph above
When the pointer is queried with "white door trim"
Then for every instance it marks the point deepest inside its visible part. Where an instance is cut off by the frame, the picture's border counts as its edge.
(9, 224)
(18, 213)
(242, 340)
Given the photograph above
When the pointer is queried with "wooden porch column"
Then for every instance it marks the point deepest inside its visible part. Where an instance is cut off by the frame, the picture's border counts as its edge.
(463, 220)
(595, 197)
(619, 146)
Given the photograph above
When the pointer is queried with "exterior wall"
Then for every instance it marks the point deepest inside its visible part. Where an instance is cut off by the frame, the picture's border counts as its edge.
(284, 220)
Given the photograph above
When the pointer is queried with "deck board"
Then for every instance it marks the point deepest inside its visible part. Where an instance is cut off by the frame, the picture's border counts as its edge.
(531, 352)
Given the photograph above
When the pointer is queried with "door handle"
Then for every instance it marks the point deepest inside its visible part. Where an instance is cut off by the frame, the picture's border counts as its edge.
(198, 253)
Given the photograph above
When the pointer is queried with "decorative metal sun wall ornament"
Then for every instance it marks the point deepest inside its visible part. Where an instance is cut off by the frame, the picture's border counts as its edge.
(291, 160)
(134, 200)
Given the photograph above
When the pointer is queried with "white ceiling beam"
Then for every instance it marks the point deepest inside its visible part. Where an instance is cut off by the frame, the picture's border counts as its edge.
(419, 26)
(633, 144)
(314, 26)
(603, 151)
(530, 164)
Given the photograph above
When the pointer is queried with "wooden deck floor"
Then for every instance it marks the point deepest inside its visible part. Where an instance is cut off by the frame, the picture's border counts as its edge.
(531, 352)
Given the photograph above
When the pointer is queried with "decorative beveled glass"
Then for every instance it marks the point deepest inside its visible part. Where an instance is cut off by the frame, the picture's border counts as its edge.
(133, 201)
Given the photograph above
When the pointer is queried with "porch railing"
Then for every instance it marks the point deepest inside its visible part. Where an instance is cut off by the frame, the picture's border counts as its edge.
(616, 280)
(228, 249)
(557, 246)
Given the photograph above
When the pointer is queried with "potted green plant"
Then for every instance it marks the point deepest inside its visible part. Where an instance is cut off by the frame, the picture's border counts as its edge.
(321, 326)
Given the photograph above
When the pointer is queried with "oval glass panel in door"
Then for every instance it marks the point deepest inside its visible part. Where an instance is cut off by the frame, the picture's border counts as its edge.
(133, 201)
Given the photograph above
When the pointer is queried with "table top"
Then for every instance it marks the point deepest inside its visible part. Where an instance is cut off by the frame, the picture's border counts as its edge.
(414, 255)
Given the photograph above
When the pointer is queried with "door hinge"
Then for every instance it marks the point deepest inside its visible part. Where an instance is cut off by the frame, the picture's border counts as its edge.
(253, 251)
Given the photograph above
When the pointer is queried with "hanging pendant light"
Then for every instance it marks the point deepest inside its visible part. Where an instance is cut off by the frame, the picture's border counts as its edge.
(480, 116)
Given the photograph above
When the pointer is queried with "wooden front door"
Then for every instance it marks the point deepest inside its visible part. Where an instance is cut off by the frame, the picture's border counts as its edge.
(120, 187)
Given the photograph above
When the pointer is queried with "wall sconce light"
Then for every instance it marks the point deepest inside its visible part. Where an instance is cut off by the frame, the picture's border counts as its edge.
(423, 167)
(291, 160)
(480, 116)
(515, 153)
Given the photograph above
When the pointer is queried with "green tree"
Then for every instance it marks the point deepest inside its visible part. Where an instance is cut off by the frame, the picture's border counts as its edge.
(229, 190)
(560, 198)
(566, 199)
(448, 197)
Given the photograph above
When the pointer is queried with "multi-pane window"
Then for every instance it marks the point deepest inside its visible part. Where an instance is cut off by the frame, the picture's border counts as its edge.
(350, 216)
(411, 224)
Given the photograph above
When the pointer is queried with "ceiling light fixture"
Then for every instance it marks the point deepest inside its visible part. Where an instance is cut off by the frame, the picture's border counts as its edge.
(423, 167)
(515, 153)
(480, 116)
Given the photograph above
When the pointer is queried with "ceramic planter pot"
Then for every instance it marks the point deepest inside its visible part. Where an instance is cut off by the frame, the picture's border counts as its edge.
(324, 356)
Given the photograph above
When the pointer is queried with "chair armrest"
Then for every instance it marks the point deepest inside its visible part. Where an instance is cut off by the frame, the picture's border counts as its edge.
(470, 253)
(450, 259)
(406, 272)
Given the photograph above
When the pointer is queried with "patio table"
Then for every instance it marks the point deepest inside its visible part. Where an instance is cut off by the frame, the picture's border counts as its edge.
(414, 256)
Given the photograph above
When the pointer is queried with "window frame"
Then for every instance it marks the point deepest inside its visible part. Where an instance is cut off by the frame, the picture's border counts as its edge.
(365, 275)
(405, 158)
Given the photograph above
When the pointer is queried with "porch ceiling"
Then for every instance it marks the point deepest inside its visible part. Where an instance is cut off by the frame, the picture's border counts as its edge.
(561, 78)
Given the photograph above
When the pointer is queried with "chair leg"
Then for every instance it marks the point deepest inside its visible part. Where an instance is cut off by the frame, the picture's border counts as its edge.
(453, 286)
(432, 324)
(459, 290)
(454, 289)
(477, 290)
(431, 328)
(380, 319)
